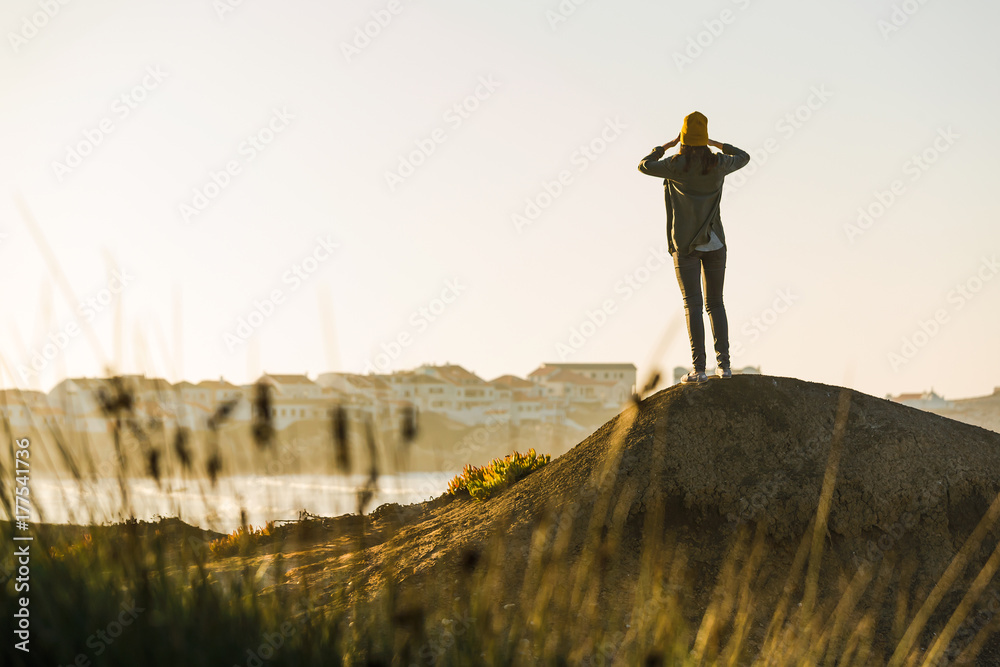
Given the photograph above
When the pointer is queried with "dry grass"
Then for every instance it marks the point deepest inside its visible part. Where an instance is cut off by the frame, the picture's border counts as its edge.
(198, 612)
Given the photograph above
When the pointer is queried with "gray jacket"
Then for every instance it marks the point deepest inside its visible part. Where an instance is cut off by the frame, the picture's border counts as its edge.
(692, 198)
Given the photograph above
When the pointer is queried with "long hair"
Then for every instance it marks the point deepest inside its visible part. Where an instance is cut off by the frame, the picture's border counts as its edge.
(699, 156)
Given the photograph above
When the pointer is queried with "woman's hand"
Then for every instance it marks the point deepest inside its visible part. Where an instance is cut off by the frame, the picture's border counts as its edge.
(672, 143)
(715, 144)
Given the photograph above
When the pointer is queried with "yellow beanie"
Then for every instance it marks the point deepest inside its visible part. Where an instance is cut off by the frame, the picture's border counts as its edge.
(695, 130)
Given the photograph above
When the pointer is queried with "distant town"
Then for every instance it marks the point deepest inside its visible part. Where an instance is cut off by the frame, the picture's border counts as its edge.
(549, 394)
(556, 405)
(462, 418)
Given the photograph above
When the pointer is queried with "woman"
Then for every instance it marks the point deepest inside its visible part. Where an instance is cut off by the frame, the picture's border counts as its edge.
(692, 185)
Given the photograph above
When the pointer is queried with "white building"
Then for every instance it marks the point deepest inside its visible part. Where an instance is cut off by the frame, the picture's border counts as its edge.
(518, 387)
(292, 386)
(148, 390)
(195, 404)
(471, 400)
(607, 385)
(296, 398)
(25, 409)
(219, 391)
(426, 392)
(923, 401)
(527, 401)
(189, 393)
(355, 388)
(77, 398)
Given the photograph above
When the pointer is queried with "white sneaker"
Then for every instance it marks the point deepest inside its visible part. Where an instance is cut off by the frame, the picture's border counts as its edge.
(694, 377)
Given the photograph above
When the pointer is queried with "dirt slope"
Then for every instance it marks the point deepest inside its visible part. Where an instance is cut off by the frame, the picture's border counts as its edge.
(706, 460)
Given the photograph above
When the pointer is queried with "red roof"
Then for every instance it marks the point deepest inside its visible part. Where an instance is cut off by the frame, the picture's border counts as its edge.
(455, 374)
(22, 396)
(289, 379)
(365, 381)
(511, 381)
(222, 384)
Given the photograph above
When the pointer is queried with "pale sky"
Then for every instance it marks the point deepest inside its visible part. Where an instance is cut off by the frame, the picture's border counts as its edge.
(192, 164)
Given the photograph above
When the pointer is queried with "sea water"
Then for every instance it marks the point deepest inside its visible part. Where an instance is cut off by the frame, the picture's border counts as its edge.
(219, 506)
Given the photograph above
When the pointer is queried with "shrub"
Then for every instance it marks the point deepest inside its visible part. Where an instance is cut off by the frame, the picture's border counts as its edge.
(481, 483)
(74, 549)
(241, 541)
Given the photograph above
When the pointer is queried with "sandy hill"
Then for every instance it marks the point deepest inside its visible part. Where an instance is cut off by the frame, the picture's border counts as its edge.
(683, 473)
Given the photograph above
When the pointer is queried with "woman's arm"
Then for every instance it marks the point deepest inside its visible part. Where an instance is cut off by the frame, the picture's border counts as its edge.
(651, 165)
(733, 158)
(673, 142)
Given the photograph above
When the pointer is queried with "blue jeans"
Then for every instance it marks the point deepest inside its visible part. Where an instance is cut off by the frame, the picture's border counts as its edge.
(690, 270)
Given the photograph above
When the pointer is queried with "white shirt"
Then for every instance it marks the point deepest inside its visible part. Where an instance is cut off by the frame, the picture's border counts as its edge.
(713, 244)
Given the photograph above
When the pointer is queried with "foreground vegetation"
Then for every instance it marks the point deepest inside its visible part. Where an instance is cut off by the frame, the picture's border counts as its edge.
(482, 482)
(143, 594)
(164, 594)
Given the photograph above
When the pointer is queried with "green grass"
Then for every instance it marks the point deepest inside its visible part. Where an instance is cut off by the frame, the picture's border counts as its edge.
(483, 482)
(241, 541)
